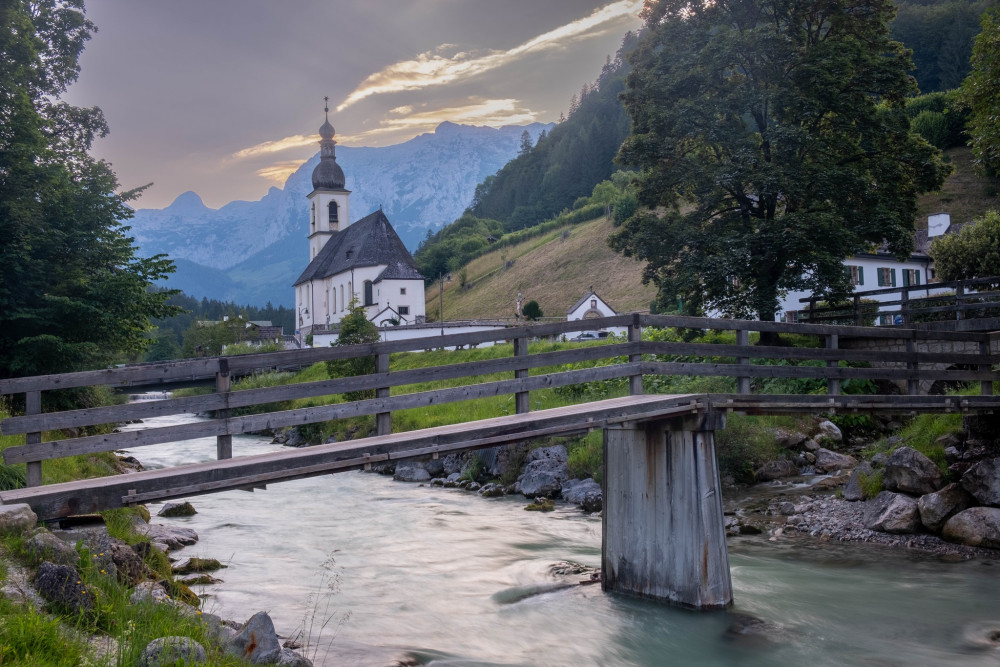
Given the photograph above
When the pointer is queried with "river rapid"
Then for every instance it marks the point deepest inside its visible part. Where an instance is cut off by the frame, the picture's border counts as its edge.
(445, 577)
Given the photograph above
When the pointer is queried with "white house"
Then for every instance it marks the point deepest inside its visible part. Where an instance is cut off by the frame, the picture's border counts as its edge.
(591, 306)
(364, 260)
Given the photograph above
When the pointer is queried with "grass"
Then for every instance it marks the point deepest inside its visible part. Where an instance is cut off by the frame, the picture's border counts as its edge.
(964, 194)
(748, 442)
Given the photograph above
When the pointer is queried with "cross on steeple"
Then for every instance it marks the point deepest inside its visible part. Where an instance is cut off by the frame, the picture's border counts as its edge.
(326, 106)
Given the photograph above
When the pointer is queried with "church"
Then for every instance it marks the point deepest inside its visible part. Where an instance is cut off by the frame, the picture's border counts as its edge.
(363, 261)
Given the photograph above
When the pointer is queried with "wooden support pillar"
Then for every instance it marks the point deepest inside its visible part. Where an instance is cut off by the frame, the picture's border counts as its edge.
(743, 381)
(33, 406)
(664, 536)
(857, 311)
(223, 443)
(522, 399)
(635, 336)
(383, 420)
(832, 384)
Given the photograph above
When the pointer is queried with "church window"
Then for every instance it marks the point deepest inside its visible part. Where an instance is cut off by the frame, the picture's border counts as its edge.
(312, 218)
(333, 213)
(402, 290)
(369, 299)
(342, 297)
(593, 303)
(404, 310)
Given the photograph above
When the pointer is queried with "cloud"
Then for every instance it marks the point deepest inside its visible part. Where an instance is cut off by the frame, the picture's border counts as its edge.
(279, 172)
(276, 146)
(433, 68)
(489, 112)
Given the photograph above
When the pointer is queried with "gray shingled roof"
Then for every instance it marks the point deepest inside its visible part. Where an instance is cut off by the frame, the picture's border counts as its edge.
(371, 241)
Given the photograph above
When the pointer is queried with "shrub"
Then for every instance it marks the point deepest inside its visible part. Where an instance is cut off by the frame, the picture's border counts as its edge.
(531, 310)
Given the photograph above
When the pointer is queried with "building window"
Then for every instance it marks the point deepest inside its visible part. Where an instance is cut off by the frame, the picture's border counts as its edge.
(911, 277)
(333, 213)
(404, 310)
(886, 277)
(857, 274)
(593, 304)
(312, 217)
(369, 297)
(402, 290)
(791, 316)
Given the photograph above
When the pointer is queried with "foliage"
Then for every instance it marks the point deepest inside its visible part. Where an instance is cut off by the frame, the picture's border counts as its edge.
(974, 252)
(567, 162)
(355, 329)
(979, 91)
(531, 310)
(773, 138)
(452, 246)
(940, 35)
(33, 638)
(72, 292)
(939, 118)
(586, 456)
(871, 483)
(744, 445)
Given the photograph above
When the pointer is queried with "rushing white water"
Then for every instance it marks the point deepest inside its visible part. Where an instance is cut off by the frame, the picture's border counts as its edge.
(449, 578)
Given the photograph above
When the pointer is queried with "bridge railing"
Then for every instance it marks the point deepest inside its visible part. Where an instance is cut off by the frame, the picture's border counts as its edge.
(913, 304)
(908, 357)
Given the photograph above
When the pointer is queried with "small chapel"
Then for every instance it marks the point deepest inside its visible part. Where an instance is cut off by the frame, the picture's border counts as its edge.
(363, 261)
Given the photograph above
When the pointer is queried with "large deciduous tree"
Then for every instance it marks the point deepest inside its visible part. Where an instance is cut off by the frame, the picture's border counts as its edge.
(73, 294)
(773, 143)
(974, 252)
(981, 92)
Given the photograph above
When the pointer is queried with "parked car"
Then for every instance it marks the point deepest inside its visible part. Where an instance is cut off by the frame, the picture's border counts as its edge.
(590, 335)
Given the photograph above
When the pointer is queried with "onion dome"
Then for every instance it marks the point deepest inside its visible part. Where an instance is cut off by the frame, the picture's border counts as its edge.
(327, 175)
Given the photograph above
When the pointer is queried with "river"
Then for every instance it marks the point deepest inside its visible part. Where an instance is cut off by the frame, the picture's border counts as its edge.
(445, 577)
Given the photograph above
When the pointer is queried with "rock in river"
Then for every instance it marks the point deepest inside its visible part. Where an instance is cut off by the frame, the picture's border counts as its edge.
(976, 527)
(892, 513)
(909, 471)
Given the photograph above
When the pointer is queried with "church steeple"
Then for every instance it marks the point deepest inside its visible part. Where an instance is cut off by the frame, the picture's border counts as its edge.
(328, 202)
(327, 175)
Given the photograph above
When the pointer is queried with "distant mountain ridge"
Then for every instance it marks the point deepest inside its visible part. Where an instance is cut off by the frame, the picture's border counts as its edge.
(250, 252)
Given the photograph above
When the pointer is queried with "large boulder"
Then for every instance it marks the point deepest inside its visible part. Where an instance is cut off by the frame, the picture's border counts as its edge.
(17, 518)
(852, 489)
(909, 471)
(776, 470)
(116, 558)
(62, 587)
(829, 432)
(173, 537)
(177, 509)
(585, 492)
(149, 591)
(171, 651)
(46, 546)
(289, 658)
(892, 513)
(542, 477)
(257, 642)
(554, 453)
(936, 508)
(976, 527)
(411, 471)
(828, 461)
(983, 482)
(789, 440)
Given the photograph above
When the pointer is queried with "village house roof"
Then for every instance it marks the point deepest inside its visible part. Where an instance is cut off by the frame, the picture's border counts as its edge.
(590, 295)
(371, 241)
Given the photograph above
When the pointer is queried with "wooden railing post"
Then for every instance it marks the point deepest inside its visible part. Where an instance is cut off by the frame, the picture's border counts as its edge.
(635, 336)
(383, 420)
(223, 443)
(904, 306)
(743, 381)
(959, 301)
(522, 399)
(832, 384)
(857, 310)
(986, 386)
(913, 383)
(33, 406)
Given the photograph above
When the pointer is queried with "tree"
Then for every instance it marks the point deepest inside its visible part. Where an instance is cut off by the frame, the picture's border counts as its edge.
(531, 310)
(773, 143)
(73, 295)
(525, 143)
(979, 92)
(974, 252)
(355, 329)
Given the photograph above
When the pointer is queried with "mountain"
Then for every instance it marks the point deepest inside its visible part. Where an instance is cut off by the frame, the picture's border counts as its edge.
(250, 252)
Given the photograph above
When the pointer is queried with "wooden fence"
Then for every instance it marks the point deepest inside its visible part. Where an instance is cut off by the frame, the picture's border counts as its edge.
(631, 359)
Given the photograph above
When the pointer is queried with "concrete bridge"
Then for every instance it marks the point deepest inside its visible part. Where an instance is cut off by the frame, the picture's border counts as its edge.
(663, 526)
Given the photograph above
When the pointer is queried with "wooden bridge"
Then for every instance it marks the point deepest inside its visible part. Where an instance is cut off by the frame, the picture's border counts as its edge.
(663, 524)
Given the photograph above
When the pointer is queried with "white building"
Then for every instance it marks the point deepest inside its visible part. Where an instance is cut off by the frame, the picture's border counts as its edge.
(363, 261)
(591, 306)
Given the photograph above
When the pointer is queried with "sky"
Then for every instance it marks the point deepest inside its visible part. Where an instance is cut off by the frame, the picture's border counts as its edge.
(224, 97)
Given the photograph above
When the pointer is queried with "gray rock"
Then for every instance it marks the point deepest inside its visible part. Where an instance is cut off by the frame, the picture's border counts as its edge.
(892, 513)
(951, 454)
(586, 493)
(437, 481)
(257, 642)
(787, 508)
(46, 546)
(788, 440)
(909, 471)
(976, 527)
(177, 509)
(936, 508)
(554, 453)
(452, 465)
(983, 482)
(434, 467)
(17, 518)
(810, 457)
(829, 431)
(776, 470)
(62, 587)
(880, 459)
(149, 591)
(810, 445)
(172, 651)
(289, 658)
(173, 537)
(852, 489)
(411, 471)
(543, 477)
(828, 461)
(492, 490)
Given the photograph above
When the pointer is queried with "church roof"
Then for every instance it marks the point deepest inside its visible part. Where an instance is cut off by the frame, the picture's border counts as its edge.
(371, 241)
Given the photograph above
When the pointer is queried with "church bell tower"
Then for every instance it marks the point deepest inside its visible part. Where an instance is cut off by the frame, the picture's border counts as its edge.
(329, 210)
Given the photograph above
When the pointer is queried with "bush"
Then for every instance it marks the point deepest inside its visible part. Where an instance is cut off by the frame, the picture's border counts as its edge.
(531, 310)
(744, 445)
(586, 456)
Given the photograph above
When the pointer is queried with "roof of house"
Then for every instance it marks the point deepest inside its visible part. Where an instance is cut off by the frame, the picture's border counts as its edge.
(371, 241)
(588, 295)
